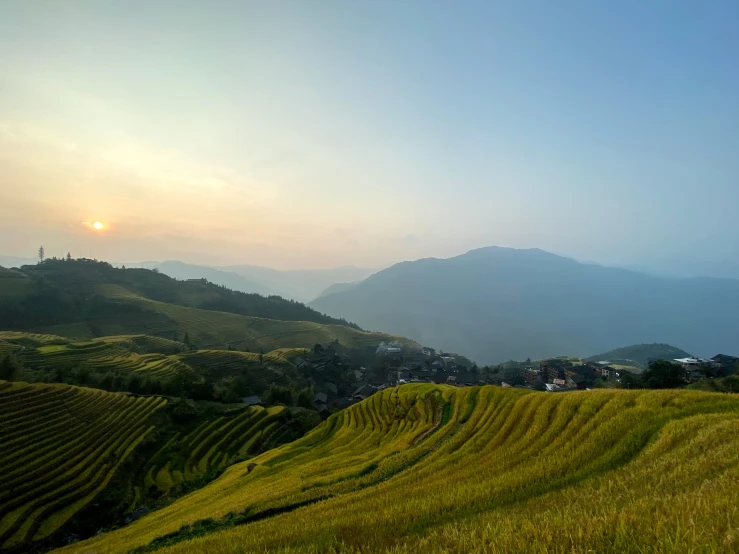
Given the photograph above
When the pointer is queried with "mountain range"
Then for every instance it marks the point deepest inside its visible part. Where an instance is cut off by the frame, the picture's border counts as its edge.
(496, 304)
(302, 285)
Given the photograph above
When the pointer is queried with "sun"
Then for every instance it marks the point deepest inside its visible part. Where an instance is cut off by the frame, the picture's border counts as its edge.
(99, 226)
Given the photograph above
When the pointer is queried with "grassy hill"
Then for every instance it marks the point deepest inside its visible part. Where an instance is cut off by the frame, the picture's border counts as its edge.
(75, 459)
(639, 354)
(60, 290)
(84, 299)
(425, 468)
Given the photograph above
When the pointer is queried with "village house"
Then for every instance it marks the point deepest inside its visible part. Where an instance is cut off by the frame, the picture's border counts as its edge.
(690, 364)
(404, 374)
(554, 368)
(575, 381)
(362, 392)
(532, 376)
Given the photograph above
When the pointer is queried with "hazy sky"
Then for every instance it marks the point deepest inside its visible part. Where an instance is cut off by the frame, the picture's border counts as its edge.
(314, 134)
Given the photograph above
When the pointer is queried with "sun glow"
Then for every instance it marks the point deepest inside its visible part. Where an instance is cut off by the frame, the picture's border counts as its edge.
(98, 226)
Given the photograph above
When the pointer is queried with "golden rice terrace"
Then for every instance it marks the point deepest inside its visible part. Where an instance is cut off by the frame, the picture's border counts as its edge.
(425, 468)
(60, 447)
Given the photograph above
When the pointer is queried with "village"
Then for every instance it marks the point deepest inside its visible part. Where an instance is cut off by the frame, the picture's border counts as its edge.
(339, 381)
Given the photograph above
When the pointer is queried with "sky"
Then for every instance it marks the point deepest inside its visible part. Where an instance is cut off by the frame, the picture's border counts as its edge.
(313, 134)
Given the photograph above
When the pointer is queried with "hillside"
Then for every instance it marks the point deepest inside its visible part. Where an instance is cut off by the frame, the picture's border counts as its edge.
(495, 304)
(58, 290)
(338, 287)
(640, 354)
(84, 299)
(76, 459)
(144, 364)
(425, 468)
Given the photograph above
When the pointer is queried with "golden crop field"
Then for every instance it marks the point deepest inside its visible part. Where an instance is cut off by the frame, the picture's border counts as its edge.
(426, 468)
(60, 447)
(214, 444)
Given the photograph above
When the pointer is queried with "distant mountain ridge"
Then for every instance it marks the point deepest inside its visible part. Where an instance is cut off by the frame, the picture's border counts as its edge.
(228, 279)
(303, 285)
(496, 304)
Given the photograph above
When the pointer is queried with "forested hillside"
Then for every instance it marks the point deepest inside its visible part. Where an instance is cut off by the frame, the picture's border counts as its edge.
(84, 299)
(65, 291)
(425, 468)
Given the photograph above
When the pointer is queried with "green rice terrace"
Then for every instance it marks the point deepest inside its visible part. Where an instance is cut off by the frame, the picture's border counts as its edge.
(75, 459)
(433, 468)
(109, 362)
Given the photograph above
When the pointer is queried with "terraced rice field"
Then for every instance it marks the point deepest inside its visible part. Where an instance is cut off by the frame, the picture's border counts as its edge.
(288, 354)
(101, 356)
(225, 363)
(61, 445)
(215, 444)
(425, 468)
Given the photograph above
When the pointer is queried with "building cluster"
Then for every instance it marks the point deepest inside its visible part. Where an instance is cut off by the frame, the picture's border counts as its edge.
(338, 382)
(700, 368)
(561, 374)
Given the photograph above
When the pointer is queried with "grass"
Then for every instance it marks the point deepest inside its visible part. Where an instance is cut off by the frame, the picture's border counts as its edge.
(61, 447)
(425, 468)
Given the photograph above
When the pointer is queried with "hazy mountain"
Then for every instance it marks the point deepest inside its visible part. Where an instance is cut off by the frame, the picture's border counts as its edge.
(338, 287)
(303, 284)
(14, 261)
(229, 279)
(499, 303)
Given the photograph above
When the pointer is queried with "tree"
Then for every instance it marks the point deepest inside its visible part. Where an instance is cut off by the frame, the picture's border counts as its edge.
(41, 254)
(69, 257)
(7, 369)
(305, 398)
(278, 394)
(663, 375)
(186, 340)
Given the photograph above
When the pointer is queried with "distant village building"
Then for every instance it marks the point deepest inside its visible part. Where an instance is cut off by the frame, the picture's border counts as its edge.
(362, 392)
(426, 351)
(554, 368)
